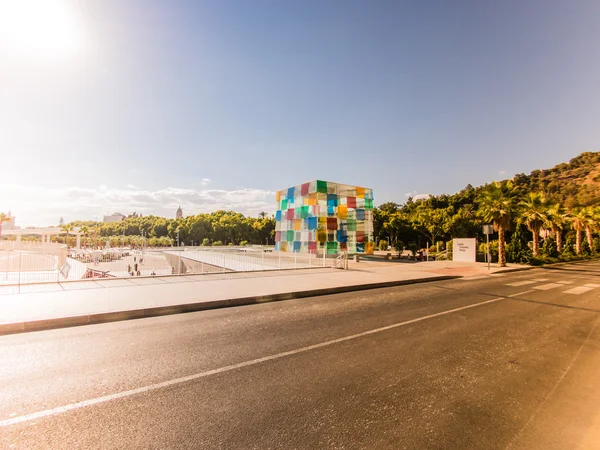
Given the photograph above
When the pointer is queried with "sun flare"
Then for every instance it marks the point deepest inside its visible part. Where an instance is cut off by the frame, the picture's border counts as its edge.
(40, 29)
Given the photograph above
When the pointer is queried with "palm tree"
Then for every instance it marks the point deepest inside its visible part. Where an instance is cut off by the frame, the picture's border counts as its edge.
(497, 205)
(67, 229)
(262, 214)
(590, 224)
(557, 220)
(579, 218)
(534, 213)
(3, 218)
(85, 231)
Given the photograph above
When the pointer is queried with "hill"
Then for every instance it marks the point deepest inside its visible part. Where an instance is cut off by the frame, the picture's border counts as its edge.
(576, 183)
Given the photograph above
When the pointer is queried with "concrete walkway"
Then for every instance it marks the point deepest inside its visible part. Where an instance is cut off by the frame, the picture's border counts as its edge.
(90, 302)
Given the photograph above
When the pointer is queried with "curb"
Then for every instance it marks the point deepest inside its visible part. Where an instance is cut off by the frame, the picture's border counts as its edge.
(98, 318)
(515, 269)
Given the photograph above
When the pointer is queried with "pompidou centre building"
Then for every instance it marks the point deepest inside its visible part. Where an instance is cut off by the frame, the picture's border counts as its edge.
(321, 216)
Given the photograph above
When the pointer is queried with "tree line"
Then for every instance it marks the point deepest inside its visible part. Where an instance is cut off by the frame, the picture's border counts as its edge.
(518, 216)
(216, 228)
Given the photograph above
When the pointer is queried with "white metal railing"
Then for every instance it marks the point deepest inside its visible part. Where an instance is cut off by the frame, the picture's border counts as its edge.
(341, 261)
(27, 266)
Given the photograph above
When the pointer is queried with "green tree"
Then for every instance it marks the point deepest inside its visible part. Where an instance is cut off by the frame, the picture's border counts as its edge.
(85, 232)
(534, 213)
(517, 251)
(497, 205)
(579, 218)
(557, 221)
(67, 228)
(432, 222)
(3, 218)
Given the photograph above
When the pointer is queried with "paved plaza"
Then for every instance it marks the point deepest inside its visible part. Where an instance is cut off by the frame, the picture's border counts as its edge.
(53, 305)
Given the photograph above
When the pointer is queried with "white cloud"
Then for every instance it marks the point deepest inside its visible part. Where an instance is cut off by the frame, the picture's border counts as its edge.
(36, 205)
(205, 181)
(502, 172)
(416, 196)
(421, 196)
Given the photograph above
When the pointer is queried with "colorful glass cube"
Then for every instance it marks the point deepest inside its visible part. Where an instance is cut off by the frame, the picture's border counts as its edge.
(320, 216)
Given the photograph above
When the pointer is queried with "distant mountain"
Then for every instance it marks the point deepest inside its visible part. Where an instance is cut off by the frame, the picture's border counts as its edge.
(576, 183)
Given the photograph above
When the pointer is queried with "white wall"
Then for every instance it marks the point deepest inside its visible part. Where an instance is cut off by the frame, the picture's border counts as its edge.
(464, 249)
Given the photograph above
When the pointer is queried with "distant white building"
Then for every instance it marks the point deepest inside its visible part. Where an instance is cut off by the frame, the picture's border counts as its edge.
(115, 217)
(179, 213)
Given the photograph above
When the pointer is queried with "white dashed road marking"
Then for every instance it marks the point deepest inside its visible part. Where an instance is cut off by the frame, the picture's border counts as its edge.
(521, 283)
(547, 287)
(521, 293)
(592, 285)
(578, 290)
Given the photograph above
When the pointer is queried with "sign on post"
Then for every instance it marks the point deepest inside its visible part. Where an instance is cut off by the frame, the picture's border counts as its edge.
(487, 230)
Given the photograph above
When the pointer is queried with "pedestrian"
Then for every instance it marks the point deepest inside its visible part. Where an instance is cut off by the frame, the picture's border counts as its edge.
(139, 273)
(128, 267)
(134, 259)
(135, 267)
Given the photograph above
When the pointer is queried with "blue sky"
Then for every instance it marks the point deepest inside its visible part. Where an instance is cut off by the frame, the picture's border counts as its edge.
(144, 105)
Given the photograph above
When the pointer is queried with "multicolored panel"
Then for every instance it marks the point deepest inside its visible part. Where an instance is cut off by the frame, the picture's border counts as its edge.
(324, 216)
(322, 186)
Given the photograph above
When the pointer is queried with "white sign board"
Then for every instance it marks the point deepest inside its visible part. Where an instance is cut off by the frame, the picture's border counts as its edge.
(464, 249)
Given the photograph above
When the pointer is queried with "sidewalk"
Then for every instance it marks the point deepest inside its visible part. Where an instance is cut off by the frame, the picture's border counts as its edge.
(105, 300)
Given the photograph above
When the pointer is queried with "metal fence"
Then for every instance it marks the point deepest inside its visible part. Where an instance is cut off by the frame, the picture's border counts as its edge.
(26, 267)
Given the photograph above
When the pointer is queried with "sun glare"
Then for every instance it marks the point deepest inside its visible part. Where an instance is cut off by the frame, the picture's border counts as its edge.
(47, 30)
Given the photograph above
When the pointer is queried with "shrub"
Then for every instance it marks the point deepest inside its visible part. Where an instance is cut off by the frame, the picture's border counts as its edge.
(569, 247)
(413, 248)
(205, 242)
(549, 249)
(449, 248)
(493, 248)
(585, 248)
(243, 243)
(383, 244)
(217, 243)
(517, 251)
(399, 246)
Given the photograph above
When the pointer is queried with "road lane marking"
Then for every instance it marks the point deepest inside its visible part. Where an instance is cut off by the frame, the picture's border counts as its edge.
(521, 283)
(521, 293)
(565, 282)
(578, 290)
(546, 287)
(152, 387)
(592, 285)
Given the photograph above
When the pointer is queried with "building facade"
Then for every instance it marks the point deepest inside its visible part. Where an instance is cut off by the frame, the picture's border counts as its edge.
(179, 213)
(321, 216)
(116, 217)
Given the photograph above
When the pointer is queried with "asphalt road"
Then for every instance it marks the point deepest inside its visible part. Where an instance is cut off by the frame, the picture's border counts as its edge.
(509, 361)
